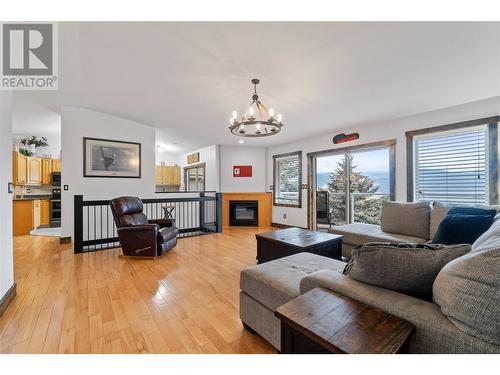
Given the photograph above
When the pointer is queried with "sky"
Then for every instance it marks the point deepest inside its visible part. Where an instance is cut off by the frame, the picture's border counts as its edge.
(366, 161)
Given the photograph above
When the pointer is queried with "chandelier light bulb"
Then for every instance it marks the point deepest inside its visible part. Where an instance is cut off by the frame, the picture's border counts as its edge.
(280, 117)
(235, 114)
(258, 126)
(271, 112)
(251, 111)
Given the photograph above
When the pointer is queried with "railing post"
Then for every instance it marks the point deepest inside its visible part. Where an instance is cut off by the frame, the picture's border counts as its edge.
(202, 212)
(78, 224)
(218, 205)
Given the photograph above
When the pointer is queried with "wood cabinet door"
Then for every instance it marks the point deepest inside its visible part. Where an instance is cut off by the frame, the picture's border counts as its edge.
(19, 169)
(34, 171)
(36, 214)
(168, 175)
(45, 212)
(159, 175)
(46, 171)
(177, 176)
(56, 165)
(22, 217)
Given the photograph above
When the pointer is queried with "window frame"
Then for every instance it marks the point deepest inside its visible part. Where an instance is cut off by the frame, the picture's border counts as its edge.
(492, 133)
(186, 172)
(275, 160)
(389, 144)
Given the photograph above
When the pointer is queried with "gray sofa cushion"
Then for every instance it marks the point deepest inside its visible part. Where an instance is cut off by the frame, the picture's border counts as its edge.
(468, 292)
(277, 282)
(409, 219)
(434, 333)
(406, 268)
(438, 213)
(359, 234)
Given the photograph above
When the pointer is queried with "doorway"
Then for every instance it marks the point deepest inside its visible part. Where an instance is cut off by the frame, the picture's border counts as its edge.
(348, 185)
(194, 177)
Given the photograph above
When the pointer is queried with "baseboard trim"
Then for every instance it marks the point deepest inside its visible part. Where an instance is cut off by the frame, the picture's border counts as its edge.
(65, 240)
(284, 226)
(7, 298)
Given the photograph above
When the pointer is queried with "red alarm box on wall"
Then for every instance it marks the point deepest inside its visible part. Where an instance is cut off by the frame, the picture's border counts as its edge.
(242, 171)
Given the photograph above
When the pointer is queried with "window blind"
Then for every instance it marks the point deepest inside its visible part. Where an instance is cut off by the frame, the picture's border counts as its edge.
(452, 167)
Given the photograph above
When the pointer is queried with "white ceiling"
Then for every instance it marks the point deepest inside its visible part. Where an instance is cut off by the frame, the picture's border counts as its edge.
(186, 78)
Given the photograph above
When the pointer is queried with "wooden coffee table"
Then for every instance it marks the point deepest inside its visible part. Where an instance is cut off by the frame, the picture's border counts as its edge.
(321, 321)
(284, 242)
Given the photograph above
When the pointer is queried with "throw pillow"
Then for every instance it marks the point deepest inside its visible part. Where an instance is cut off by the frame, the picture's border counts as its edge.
(461, 228)
(409, 219)
(405, 268)
(468, 292)
(472, 211)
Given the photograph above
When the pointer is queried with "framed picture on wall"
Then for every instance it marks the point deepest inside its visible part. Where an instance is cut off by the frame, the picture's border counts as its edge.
(108, 158)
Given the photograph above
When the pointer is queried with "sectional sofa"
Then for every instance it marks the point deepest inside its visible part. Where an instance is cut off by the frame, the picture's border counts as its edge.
(464, 316)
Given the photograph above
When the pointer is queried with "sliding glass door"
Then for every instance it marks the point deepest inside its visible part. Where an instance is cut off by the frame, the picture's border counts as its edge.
(351, 184)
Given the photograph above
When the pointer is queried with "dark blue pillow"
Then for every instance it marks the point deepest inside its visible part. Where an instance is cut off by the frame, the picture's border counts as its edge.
(472, 211)
(461, 228)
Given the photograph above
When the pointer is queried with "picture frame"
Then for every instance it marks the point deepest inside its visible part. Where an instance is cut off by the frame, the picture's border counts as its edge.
(108, 158)
(193, 158)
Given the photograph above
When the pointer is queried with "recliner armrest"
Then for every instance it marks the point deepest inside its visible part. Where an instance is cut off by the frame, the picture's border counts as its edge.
(163, 223)
(139, 228)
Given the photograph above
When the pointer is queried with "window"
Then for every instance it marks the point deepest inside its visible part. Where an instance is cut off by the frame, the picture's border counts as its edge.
(288, 179)
(455, 164)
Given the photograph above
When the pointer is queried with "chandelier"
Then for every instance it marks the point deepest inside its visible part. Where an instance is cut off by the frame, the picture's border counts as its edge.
(258, 121)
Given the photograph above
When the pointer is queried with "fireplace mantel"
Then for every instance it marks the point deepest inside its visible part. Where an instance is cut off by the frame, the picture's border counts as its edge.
(265, 206)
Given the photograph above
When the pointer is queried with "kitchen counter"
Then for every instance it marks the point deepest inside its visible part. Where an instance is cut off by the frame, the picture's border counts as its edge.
(30, 197)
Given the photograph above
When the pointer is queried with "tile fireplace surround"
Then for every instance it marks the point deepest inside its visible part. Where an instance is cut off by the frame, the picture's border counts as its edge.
(264, 203)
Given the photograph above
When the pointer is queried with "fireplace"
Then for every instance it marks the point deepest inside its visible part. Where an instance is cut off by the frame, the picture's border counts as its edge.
(244, 213)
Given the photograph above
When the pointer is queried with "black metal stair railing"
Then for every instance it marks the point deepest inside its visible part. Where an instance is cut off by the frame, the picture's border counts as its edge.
(94, 227)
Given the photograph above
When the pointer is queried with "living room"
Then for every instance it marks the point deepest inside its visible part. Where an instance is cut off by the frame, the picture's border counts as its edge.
(339, 197)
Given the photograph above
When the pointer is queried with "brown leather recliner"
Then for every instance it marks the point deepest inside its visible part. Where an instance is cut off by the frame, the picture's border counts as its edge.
(138, 235)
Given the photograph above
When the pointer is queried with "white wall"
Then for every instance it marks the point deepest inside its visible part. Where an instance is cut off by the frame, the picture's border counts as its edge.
(394, 129)
(78, 123)
(210, 156)
(6, 255)
(166, 157)
(30, 118)
(234, 155)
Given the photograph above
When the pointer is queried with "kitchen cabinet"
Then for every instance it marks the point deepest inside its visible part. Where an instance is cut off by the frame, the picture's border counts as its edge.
(34, 171)
(29, 214)
(36, 214)
(28, 170)
(168, 175)
(56, 165)
(159, 175)
(45, 212)
(177, 176)
(19, 169)
(46, 171)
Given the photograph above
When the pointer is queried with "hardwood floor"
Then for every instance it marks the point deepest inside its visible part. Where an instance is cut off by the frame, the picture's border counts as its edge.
(185, 302)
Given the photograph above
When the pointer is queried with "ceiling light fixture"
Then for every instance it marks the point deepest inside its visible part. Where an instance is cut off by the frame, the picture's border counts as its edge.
(258, 121)
(241, 141)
